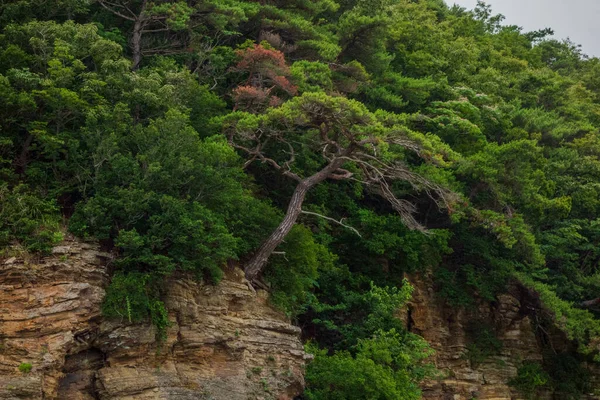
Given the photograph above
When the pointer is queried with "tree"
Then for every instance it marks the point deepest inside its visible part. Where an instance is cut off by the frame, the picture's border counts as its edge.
(267, 74)
(27, 10)
(385, 361)
(342, 140)
(149, 17)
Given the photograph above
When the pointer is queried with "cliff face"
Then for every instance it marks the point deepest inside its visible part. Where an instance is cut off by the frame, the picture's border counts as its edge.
(451, 331)
(224, 341)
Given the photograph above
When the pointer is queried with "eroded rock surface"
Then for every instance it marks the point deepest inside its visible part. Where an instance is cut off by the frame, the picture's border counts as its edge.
(447, 330)
(224, 341)
(46, 308)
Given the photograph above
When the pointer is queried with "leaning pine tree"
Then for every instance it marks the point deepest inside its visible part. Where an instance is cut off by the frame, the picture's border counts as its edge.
(346, 141)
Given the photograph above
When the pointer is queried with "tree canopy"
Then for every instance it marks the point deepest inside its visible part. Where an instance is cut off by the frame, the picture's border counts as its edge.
(329, 147)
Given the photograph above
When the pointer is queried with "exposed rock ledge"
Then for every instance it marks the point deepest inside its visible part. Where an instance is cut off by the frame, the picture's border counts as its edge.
(513, 319)
(225, 342)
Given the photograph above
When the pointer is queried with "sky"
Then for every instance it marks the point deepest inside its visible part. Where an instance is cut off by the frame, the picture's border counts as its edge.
(578, 20)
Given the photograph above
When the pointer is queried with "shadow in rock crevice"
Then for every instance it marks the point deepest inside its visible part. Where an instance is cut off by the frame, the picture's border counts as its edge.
(79, 380)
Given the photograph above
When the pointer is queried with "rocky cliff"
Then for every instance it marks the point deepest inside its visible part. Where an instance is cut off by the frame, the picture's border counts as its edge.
(224, 341)
(515, 322)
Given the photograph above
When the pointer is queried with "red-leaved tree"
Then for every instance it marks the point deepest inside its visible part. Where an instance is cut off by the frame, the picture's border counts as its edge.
(267, 79)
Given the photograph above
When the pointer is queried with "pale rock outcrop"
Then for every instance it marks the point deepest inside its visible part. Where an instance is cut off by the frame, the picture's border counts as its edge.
(224, 342)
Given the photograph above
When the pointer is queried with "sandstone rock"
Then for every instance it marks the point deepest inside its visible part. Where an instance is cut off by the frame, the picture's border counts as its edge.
(224, 342)
(445, 328)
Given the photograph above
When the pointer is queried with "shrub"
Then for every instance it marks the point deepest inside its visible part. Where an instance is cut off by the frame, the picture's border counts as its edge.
(294, 273)
(25, 368)
(569, 378)
(135, 296)
(530, 378)
(484, 343)
(29, 218)
(387, 366)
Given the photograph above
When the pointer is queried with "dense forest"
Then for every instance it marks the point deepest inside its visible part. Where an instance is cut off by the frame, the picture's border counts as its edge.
(328, 147)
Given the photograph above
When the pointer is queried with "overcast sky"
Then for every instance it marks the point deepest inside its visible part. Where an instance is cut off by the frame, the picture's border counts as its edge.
(577, 19)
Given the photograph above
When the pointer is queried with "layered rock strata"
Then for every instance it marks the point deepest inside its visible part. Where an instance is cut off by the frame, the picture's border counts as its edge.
(224, 341)
(513, 320)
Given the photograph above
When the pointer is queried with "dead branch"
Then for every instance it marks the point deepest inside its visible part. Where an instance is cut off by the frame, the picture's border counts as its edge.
(257, 154)
(341, 174)
(340, 222)
(106, 5)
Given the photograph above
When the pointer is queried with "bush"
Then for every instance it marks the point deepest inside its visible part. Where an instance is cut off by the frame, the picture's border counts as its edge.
(388, 366)
(484, 343)
(135, 297)
(29, 218)
(382, 360)
(25, 368)
(167, 200)
(530, 378)
(569, 378)
(293, 274)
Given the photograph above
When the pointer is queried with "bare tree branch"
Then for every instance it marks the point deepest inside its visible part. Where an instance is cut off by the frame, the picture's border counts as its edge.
(340, 222)
(106, 4)
(338, 132)
(406, 143)
(257, 154)
(341, 174)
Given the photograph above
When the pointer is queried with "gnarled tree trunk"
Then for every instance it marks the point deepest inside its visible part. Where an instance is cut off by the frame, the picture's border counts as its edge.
(260, 258)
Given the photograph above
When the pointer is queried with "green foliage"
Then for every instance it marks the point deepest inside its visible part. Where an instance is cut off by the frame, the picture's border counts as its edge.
(383, 361)
(137, 160)
(25, 10)
(578, 324)
(561, 372)
(27, 217)
(346, 311)
(530, 378)
(134, 297)
(387, 366)
(294, 272)
(177, 14)
(483, 343)
(123, 147)
(312, 76)
(385, 237)
(155, 190)
(25, 368)
(568, 376)
(479, 266)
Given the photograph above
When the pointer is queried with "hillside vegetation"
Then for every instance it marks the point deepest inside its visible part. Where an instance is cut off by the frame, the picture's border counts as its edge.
(330, 146)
